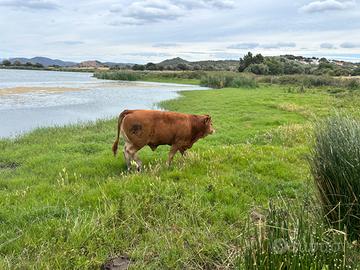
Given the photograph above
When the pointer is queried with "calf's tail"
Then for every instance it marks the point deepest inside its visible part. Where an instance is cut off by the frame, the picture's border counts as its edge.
(116, 143)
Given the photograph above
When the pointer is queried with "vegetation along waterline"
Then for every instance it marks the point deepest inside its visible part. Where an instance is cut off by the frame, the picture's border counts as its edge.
(232, 79)
(67, 203)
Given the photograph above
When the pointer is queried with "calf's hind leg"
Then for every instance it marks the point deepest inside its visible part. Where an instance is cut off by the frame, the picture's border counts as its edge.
(127, 156)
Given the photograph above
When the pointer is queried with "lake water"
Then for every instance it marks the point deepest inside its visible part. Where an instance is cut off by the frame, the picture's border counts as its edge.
(89, 99)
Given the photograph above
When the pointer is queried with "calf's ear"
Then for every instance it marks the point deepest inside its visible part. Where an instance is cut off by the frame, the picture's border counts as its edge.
(207, 119)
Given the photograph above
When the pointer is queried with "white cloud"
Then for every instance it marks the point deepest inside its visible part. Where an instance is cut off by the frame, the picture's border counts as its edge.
(165, 45)
(350, 45)
(327, 46)
(150, 11)
(221, 3)
(30, 4)
(327, 5)
(250, 45)
(278, 45)
(142, 12)
(253, 45)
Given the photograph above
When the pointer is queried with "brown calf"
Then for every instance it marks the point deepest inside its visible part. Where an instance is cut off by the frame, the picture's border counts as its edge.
(153, 128)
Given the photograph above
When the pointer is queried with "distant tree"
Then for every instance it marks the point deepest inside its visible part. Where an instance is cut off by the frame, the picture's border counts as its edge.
(28, 64)
(258, 59)
(293, 67)
(248, 59)
(182, 66)
(6, 63)
(38, 65)
(323, 60)
(161, 68)
(276, 67)
(17, 63)
(245, 61)
(325, 65)
(342, 72)
(138, 67)
(259, 69)
(356, 72)
(150, 66)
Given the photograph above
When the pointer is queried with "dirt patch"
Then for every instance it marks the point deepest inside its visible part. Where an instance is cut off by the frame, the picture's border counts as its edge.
(45, 90)
(121, 262)
(8, 165)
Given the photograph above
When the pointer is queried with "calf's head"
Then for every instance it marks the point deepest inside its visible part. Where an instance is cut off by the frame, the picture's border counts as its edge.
(209, 129)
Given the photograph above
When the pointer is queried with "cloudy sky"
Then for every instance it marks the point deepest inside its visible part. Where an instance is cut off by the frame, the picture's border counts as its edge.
(153, 30)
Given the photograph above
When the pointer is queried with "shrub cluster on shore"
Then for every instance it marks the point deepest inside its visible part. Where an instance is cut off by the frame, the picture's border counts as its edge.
(231, 79)
(128, 75)
(221, 80)
(335, 165)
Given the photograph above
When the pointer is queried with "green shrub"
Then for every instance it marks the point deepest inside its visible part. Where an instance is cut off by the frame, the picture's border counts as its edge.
(335, 165)
(221, 80)
(352, 84)
(259, 69)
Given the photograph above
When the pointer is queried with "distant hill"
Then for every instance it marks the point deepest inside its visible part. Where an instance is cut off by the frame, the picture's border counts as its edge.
(91, 64)
(175, 63)
(44, 61)
(121, 65)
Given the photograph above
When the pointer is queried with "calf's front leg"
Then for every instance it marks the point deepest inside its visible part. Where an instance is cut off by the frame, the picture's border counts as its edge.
(172, 153)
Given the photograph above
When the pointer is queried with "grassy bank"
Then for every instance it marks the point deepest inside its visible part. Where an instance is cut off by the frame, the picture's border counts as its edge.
(66, 202)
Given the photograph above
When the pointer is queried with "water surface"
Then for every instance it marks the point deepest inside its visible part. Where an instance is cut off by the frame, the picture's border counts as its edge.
(89, 99)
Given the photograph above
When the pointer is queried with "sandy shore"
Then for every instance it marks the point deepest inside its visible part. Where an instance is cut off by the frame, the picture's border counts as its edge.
(46, 90)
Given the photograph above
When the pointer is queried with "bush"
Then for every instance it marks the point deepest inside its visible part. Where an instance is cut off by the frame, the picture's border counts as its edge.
(221, 80)
(276, 67)
(335, 166)
(292, 67)
(259, 69)
(353, 84)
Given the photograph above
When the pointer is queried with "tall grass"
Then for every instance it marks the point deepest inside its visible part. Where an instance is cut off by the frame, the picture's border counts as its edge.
(127, 75)
(119, 75)
(221, 80)
(335, 165)
(292, 235)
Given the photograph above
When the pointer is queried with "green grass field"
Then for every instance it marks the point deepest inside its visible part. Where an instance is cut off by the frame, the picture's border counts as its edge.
(67, 203)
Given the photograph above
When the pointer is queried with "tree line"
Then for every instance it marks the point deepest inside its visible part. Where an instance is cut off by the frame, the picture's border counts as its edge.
(280, 65)
(8, 63)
